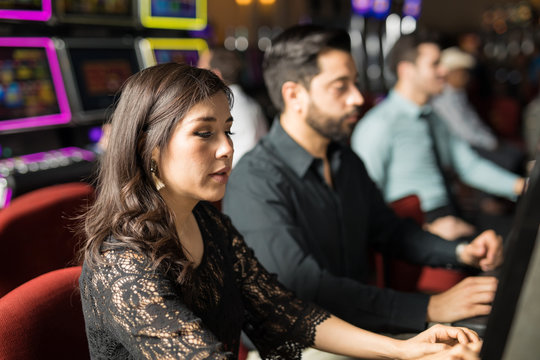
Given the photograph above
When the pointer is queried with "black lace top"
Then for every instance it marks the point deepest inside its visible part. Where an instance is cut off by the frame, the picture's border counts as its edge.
(132, 312)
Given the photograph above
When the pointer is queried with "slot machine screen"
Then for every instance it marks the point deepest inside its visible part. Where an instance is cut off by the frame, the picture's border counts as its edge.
(32, 92)
(163, 50)
(97, 69)
(36, 10)
(173, 14)
(412, 8)
(109, 12)
(519, 247)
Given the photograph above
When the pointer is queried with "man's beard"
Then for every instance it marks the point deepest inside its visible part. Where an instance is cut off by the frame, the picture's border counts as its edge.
(330, 127)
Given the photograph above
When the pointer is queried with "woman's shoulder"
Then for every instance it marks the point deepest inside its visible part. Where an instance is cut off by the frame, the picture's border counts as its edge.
(117, 257)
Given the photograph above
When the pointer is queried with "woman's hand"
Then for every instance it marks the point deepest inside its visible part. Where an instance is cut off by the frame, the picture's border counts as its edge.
(441, 339)
(457, 352)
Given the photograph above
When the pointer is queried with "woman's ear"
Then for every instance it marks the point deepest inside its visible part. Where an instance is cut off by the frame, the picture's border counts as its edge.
(154, 170)
(155, 155)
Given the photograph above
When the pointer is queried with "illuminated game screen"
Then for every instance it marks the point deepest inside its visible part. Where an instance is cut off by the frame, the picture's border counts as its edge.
(163, 50)
(98, 11)
(103, 7)
(32, 92)
(99, 74)
(39, 10)
(180, 56)
(172, 8)
(173, 14)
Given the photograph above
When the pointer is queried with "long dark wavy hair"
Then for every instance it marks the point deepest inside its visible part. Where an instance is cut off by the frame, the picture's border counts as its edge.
(128, 208)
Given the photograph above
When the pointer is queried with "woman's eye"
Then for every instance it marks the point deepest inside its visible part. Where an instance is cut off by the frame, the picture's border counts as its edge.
(229, 133)
(204, 134)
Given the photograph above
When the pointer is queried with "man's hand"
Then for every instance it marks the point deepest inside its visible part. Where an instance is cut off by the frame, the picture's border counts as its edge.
(470, 297)
(450, 227)
(485, 251)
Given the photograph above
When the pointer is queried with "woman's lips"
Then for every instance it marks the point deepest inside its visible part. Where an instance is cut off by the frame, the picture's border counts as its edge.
(221, 176)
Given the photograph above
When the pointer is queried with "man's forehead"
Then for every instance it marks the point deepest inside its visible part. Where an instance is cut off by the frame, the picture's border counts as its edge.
(336, 63)
(429, 48)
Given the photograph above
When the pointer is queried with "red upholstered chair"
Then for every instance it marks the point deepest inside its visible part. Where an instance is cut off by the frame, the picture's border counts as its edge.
(398, 274)
(36, 232)
(242, 352)
(404, 276)
(43, 319)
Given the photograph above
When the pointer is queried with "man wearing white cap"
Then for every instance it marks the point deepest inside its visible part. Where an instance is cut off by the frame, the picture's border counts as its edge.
(455, 109)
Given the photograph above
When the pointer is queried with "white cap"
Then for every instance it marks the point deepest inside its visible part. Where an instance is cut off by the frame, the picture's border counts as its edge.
(454, 58)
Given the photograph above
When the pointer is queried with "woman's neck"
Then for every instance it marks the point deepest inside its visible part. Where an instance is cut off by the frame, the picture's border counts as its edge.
(186, 225)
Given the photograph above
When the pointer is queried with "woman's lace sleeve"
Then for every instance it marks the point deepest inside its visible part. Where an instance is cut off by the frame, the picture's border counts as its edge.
(143, 312)
(279, 324)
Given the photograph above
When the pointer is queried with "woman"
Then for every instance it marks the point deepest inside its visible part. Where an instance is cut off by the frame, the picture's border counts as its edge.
(165, 275)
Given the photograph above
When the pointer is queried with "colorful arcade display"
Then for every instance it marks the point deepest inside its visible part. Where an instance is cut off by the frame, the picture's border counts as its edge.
(32, 90)
(94, 70)
(37, 10)
(173, 14)
(62, 64)
(162, 50)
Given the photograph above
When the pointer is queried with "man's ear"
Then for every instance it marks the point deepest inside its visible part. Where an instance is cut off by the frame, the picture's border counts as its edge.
(404, 69)
(293, 95)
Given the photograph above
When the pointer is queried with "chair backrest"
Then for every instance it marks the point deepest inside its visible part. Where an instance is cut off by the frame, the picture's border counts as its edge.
(36, 232)
(43, 319)
(401, 275)
(409, 207)
(404, 276)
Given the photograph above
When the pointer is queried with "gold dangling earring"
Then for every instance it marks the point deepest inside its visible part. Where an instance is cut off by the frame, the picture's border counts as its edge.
(157, 181)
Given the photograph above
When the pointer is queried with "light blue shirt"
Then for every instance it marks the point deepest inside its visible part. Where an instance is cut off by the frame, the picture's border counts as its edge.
(396, 147)
(454, 108)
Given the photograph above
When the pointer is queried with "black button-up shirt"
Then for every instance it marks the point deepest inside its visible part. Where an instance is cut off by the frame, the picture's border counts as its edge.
(318, 238)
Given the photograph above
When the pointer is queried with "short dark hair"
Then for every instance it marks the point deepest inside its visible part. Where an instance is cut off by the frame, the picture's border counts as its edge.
(293, 56)
(406, 49)
(228, 62)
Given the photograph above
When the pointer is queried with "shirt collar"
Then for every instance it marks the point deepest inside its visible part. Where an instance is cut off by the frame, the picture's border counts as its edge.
(409, 107)
(294, 155)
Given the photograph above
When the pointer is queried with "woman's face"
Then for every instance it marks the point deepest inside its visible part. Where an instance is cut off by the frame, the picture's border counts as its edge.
(197, 161)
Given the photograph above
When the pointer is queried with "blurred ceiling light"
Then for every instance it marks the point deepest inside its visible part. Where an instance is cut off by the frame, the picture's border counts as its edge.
(267, 2)
(243, 2)
(372, 45)
(393, 31)
(356, 39)
(499, 25)
(524, 12)
(264, 43)
(241, 43)
(373, 71)
(230, 43)
(527, 46)
(408, 25)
